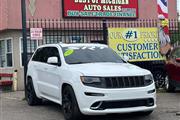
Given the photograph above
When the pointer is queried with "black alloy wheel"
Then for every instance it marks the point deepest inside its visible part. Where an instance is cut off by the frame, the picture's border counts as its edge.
(69, 105)
(159, 79)
(168, 86)
(31, 97)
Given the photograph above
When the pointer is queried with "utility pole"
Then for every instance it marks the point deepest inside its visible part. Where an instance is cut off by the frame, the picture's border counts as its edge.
(24, 34)
(105, 33)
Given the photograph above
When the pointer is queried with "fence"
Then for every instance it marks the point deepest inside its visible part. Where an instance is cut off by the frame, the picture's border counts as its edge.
(86, 31)
(68, 31)
(89, 31)
(174, 30)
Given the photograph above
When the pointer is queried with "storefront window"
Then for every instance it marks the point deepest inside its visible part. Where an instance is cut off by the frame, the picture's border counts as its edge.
(6, 53)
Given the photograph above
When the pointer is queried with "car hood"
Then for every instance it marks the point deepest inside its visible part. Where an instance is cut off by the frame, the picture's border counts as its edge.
(109, 69)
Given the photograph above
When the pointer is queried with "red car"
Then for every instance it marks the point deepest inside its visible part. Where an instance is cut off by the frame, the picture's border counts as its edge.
(173, 70)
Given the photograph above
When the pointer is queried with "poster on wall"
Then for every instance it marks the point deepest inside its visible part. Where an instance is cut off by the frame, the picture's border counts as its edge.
(138, 44)
(101, 8)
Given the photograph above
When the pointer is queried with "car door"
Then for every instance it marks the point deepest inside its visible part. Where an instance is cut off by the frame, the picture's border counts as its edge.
(38, 65)
(50, 77)
(177, 64)
(173, 66)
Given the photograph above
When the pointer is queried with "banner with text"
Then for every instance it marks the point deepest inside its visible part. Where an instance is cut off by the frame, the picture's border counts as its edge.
(138, 44)
(101, 8)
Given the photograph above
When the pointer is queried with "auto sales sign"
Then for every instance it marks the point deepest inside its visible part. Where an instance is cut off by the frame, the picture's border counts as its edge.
(101, 8)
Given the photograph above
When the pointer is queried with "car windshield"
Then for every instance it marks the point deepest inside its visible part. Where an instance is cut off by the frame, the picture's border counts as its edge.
(90, 54)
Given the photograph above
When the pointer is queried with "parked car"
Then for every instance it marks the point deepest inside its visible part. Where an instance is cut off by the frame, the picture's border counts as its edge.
(88, 79)
(158, 70)
(172, 80)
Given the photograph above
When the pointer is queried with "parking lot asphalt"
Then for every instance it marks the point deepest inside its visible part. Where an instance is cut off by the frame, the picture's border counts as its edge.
(14, 107)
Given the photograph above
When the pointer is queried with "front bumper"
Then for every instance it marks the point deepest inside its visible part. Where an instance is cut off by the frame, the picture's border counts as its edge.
(85, 101)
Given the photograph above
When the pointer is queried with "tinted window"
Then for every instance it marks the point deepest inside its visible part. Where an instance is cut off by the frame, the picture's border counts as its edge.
(42, 54)
(37, 55)
(78, 55)
(52, 52)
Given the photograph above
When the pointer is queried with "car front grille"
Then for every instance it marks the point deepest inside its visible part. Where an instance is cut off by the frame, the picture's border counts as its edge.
(125, 82)
(120, 82)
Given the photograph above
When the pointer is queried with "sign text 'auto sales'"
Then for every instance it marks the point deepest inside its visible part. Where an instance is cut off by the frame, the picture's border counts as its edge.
(101, 8)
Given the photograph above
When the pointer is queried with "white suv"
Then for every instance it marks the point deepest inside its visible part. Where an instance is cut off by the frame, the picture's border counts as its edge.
(88, 79)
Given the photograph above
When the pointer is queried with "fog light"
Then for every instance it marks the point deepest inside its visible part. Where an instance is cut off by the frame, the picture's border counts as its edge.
(150, 102)
(96, 105)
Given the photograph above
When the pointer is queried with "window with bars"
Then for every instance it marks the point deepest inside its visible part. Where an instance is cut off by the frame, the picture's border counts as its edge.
(6, 53)
(31, 47)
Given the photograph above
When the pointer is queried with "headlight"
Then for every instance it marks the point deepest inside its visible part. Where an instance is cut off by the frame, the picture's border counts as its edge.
(148, 79)
(93, 81)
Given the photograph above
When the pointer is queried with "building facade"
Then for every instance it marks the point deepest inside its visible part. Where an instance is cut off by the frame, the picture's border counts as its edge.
(11, 46)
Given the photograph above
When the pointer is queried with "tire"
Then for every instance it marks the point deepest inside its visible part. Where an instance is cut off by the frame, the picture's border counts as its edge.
(31, 97)
(168, 86)
(69, 105)
(159, 78)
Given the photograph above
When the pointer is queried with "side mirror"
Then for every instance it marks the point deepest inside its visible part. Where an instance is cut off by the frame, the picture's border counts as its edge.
(178, 60)
(53, 61)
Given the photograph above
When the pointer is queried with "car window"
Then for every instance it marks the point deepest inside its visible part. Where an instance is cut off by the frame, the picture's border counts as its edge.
(42, 54)
(92, 54)
(52, 52)
(38, 54)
